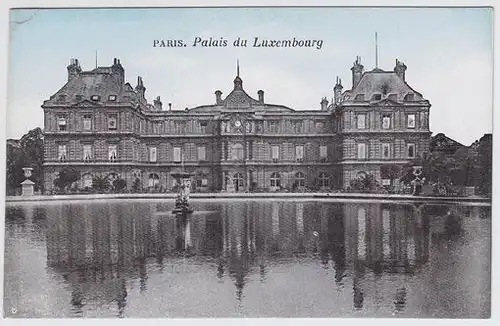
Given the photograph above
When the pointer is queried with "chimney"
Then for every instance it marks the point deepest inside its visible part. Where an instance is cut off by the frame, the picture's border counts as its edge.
(73, 69)
(169, 107)
(158, 104)
(140, 89)
(357, 72)
(261, 96)
(218, 99)
(118, 70)
(324, 104)
(337, 90)
(400, 69)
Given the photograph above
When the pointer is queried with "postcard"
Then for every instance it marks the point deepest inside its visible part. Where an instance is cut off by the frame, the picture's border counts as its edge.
(249, 162)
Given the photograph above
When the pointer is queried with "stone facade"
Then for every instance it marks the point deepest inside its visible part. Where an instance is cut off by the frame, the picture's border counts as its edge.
(101, 125)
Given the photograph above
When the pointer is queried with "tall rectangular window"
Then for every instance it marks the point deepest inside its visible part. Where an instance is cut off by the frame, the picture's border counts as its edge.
(297, 126)
(275, 152)
(177, 154)
(386, 121)
(323, 152)
(410, 121)
(152, 154)
(203, 126)
(202, 153)
(361, 150)
(386, 150)
(62, 123)
(273, 126)
(87, 122)
(61, 153)
(410, 150)
(299, 152)
(87, 152)
(361, 121)
(112, 152)
(112, 122)
(179, 127)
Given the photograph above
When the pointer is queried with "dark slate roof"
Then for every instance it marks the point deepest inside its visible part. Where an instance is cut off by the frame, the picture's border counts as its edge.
(101, 81)
(385, 83)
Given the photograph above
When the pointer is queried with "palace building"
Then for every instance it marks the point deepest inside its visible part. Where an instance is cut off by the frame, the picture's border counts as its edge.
(101, 125)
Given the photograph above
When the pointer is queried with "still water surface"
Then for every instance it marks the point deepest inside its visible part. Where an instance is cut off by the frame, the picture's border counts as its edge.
(247, 259)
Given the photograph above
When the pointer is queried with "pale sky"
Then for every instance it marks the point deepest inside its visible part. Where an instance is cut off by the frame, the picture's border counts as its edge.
(448, 53)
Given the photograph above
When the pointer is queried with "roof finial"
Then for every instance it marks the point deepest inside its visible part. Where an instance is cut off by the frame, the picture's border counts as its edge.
(376, 51)
(96, 59)
(237, 67)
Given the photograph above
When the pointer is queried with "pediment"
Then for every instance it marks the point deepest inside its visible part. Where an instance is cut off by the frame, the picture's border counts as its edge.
(385, 102)
(239, 99)
(86, 104)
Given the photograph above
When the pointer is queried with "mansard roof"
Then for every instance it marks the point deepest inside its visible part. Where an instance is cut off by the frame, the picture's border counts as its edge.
(387, 84)
(102, 82)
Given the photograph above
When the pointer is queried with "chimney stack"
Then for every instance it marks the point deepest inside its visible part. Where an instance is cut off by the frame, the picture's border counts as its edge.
(73, 69)
(118, 70)
(218, 99)
(324, 104)
(337, 90)
(357, 72)
(261, 96)
(400, 69)
(169, 107)
(140, 89)
(158, 104)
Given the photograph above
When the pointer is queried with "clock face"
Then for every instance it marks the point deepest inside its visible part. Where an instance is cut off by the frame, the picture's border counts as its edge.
(237, 123)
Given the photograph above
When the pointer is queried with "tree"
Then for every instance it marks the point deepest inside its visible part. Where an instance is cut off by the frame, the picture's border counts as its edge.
(26, 152)
(364, 183)
(136, 186)
(100, 183)
(66, 177)
(119, 185)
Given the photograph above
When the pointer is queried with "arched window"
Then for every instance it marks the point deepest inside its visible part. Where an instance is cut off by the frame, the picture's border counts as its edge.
(275, 179)
(361, 174)
(300, 179)
(237, 152)
(238, 181)
(154, 180)
(324, 180)
(87, 180)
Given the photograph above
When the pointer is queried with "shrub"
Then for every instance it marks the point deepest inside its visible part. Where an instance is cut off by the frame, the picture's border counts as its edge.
(65, 178)
(119, 185)
(100, 184)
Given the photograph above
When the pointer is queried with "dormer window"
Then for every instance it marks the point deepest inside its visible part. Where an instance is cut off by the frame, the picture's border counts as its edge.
(61, 98)
(359, 97)
(377, 97)
(78, 97)
(393, 97)
(95, 98)
(112, 98)
(410, 97)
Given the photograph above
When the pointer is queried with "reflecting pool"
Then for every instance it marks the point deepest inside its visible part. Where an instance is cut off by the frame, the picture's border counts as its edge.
(246, 258)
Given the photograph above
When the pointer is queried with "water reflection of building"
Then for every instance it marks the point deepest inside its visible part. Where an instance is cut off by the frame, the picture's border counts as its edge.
(97, 248)
(113, 242)
(385, 238)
